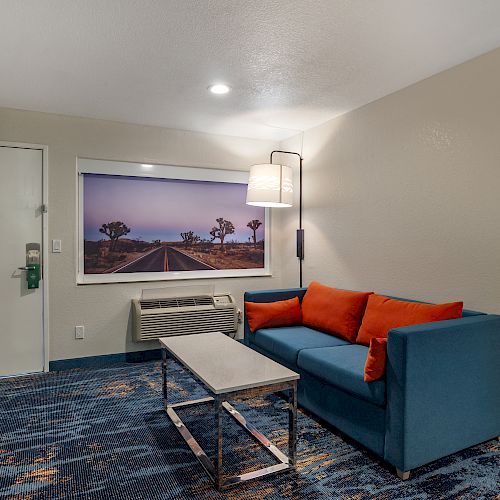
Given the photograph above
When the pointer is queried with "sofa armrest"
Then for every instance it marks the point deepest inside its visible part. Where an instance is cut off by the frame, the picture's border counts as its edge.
(443, 388)
(269, 296)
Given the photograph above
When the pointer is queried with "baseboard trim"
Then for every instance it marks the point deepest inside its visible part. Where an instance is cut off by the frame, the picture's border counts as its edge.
(104, 360)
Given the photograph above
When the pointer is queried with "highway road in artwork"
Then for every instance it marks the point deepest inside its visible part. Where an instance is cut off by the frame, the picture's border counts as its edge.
(163, 259)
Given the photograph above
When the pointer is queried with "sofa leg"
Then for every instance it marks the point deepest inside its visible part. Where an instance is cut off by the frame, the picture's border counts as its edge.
(403, 475)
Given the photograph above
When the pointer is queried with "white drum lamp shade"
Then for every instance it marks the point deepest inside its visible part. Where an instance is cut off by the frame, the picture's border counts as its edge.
(270, 185)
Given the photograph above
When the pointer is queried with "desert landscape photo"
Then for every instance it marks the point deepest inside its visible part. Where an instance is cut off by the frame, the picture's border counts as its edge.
(136, 225)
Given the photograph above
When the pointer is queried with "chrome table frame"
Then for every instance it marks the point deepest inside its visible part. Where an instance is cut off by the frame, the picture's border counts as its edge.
(214, 468)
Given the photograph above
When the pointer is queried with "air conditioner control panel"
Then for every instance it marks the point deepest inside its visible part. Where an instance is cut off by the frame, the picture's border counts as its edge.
(222, 300)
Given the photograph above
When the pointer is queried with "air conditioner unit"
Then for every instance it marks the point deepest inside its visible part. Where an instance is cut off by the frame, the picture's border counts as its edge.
(163, 313)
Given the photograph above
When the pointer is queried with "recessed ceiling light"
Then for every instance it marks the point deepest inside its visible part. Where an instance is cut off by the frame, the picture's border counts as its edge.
(146, 165)
(219, 88)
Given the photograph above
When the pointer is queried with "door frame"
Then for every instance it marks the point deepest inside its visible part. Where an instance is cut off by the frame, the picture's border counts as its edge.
(45, 241)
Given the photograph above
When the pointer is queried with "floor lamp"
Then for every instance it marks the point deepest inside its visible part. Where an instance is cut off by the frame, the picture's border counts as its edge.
(271, 185)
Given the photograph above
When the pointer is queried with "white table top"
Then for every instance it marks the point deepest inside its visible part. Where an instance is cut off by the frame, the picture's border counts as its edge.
(223, 364)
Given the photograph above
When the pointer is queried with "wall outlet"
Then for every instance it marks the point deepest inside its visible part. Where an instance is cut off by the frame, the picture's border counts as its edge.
(79, 332)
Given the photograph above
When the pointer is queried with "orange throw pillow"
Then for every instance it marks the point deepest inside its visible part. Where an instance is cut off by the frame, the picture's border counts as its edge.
(383, 314)
(338, 312)
(271, 314)
(376, 360)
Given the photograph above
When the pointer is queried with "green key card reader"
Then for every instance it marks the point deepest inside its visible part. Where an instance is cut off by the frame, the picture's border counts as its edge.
(32, 267)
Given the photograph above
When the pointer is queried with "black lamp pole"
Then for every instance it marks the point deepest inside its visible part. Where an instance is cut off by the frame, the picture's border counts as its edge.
(300, 231)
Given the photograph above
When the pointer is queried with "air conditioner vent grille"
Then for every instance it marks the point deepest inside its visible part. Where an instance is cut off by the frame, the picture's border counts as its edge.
(159, 325)
(161, 317)
(176, 302)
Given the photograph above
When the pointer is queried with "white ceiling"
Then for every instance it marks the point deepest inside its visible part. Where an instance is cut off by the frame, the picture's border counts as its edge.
(292, 63)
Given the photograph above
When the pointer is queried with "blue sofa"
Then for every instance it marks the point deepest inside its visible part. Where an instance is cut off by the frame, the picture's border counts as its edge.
(441, 392)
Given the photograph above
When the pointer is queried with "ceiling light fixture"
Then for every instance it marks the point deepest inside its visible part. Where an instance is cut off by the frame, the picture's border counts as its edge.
(219, 88)
(146, 165)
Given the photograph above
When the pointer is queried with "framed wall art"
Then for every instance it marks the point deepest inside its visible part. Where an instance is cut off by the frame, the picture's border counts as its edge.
(141, 222)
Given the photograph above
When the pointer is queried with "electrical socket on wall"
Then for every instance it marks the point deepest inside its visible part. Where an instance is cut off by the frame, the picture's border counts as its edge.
(79, 332)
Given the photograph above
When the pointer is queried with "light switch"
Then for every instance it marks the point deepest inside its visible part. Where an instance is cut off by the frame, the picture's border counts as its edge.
(56, 246)
(79, 332)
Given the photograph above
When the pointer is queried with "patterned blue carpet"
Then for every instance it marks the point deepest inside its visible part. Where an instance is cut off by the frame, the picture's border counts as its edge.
(102, 434)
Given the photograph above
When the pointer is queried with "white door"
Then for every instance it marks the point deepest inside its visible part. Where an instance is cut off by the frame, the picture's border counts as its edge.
(21, 222)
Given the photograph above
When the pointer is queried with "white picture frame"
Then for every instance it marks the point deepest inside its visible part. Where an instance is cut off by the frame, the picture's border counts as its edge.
(133, 169)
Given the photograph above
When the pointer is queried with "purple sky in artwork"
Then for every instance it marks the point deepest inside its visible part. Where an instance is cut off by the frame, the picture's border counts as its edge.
(163, 208)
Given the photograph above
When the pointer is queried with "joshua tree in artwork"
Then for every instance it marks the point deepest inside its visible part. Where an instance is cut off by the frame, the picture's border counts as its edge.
(189, 238)
(114, 230)
(254, 225)
(219, 233)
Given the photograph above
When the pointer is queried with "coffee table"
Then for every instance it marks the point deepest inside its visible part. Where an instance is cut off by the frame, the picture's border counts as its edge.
(230, 371)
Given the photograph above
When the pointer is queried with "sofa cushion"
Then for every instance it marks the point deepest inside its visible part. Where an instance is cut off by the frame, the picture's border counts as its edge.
(334, 311)
(465, 312)
(383, 314)
(286, 342)
(343, 366)
(273, 314)
(376, 360)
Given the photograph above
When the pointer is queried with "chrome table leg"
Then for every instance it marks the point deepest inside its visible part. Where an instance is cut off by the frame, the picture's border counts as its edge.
(193, 444)
(292, 423)
(218, 427)
(164, 376)
(214, 468)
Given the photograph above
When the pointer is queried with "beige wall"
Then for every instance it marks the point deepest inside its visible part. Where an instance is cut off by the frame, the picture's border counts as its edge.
(402, 196)
(104, 310)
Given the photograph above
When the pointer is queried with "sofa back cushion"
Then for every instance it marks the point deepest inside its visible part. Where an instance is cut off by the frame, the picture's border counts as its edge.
(338, 312)
(383, 314)
(273, 314)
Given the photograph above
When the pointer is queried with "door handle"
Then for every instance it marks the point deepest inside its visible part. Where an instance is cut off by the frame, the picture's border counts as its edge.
(32, 275)
(32, 267)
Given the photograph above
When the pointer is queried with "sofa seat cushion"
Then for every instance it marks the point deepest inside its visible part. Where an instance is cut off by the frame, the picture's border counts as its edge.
(286, 342)
(343, 366)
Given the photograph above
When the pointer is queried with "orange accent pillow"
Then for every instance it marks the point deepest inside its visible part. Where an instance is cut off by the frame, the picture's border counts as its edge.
(383, 314)
(271, 314)
(334, 311)
(376, 360)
